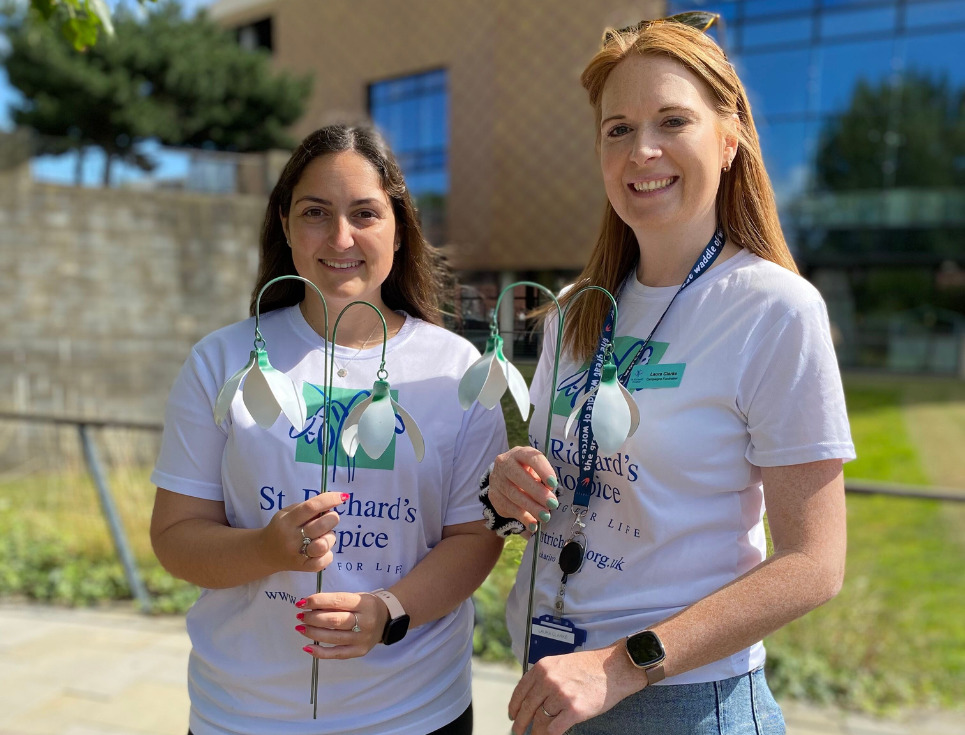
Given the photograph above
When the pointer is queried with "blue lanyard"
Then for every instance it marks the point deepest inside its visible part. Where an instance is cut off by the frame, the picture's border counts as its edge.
(588, 447)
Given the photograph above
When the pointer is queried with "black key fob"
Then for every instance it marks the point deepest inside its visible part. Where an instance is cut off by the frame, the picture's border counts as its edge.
(571, 556)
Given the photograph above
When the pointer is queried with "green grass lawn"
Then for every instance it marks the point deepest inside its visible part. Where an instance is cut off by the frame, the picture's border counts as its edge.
(894, 637)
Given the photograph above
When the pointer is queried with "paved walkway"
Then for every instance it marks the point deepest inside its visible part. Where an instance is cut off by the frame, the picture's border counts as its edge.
(114, 672)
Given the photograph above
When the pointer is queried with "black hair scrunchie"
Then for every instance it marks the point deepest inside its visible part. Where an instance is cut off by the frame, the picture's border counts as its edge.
(502, 525)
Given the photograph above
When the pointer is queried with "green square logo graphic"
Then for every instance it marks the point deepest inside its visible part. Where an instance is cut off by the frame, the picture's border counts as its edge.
(625, 349)
(309, 449)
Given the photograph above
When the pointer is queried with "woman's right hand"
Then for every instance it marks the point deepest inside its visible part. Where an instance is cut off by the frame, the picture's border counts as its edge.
(314, 519)
(521, 486)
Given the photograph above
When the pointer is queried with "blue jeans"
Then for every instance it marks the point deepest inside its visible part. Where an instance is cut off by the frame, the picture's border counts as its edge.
(742, 705)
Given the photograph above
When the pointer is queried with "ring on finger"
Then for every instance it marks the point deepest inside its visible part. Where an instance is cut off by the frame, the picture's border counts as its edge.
(305, 542)
(547, 713)
(356, 628)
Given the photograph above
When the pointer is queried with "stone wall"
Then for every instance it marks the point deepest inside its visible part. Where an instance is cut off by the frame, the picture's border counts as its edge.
(105, 290)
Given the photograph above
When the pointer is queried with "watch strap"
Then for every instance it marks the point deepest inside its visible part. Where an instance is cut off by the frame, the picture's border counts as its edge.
(391, 602)
(654, 674)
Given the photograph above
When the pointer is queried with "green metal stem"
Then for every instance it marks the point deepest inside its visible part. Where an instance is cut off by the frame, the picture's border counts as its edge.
(561, 316)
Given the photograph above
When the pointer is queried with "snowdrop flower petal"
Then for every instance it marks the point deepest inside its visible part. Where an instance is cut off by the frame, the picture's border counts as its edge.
(350, 429)
(476, 376)
(614, 417)
(577, 409)
(268, 392)
(634, 410)
(495, 385)
(517, 386)
(610, 419)
(377, 422)
(227, 393)
(413, 431)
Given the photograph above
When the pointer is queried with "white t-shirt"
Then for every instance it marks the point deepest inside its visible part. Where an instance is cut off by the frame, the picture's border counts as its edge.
(247, 671)
(677, 512)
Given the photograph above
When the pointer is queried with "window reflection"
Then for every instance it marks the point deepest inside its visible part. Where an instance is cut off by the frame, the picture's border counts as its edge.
(859, 23)
(777, 82)
(938, 53)
(768, 8)
(937, 14)
(773, 33)
(412, 112)
(842, 66)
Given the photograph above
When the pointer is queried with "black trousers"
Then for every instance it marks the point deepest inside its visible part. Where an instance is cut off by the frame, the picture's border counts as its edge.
(462, 725)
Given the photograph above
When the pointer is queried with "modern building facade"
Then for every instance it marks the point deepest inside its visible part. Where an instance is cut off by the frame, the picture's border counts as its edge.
(859, 104)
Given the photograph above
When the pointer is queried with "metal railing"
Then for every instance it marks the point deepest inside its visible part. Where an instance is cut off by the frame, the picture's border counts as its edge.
(99, 478)
(122, 546)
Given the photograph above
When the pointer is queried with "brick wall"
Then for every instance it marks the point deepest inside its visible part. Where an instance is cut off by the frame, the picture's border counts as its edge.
(104, 291)
(526, 192)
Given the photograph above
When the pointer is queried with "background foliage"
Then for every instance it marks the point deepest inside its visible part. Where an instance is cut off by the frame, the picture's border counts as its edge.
(182, 82)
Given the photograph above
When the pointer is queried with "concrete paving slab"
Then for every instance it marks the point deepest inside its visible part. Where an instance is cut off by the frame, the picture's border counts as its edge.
(111, 671)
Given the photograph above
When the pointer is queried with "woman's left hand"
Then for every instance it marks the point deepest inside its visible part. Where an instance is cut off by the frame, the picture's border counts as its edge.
(561, 691)
(330, 617)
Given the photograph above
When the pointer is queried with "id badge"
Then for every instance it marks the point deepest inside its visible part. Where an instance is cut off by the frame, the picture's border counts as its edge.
(551, 636)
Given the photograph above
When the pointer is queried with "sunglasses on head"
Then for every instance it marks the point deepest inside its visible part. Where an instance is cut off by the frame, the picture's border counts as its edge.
(698, 19)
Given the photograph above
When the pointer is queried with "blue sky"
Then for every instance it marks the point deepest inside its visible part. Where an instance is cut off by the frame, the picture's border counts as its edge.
(60, 169)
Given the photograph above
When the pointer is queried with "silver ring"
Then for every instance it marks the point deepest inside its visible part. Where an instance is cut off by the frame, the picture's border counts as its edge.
(356, 628)
(547, 713)
(305, 542)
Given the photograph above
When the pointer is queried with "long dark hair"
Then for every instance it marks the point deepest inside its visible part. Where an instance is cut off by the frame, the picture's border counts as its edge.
(413, 284)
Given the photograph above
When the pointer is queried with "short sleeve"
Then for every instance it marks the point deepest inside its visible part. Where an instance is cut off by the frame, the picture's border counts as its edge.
(791, 393)
(192, 445)
(481, 437)
(543, 375)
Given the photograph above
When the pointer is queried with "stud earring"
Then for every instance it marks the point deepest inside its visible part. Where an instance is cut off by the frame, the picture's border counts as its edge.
(726, 168)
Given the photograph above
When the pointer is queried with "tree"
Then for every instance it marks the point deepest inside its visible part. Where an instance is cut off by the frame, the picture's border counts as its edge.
(905, 134)
(79, 20)
(182, 82)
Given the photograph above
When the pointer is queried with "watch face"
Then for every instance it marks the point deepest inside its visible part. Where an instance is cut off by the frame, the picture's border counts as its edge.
(395, 630)
(645, 649)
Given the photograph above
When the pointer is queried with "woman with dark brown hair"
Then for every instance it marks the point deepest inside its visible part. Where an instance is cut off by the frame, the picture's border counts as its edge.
(238, 510)
(653, 587)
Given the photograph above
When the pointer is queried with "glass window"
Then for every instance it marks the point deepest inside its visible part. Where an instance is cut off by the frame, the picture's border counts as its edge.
(725, 8)
(935, 14)
(939, 54)
(756, 34)
(842, 66)
(845, 3)
(776, 82)
(787, 153)
(858, 22)
(775, 7)
(413, 113)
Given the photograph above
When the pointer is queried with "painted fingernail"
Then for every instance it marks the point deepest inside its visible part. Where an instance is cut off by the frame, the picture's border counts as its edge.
(544, 516)
(533, 527)
(553, 503)
(301, 603)
(300, 628)
(308, 649)
(345, 496)
(300, 616)
(551, 482)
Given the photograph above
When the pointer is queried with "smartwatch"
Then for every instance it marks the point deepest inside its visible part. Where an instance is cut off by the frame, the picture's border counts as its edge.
(646, 652)
(398, 623)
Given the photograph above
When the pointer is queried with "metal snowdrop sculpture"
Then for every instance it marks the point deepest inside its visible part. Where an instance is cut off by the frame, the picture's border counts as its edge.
(613, 414)
(267, 392)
